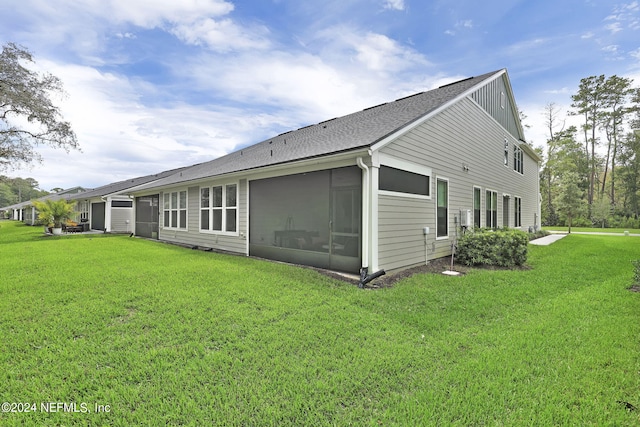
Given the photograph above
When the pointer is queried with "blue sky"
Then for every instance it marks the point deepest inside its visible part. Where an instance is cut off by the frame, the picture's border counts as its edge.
(157, 84)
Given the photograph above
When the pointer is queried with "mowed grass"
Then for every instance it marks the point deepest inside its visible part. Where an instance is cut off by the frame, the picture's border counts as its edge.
(594, 229)
(165, 335)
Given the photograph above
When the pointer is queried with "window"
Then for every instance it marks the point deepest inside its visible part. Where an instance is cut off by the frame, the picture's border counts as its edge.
(175, 210)
(477, 206)
(518, 159)
(121, 204)
(82, 210)
(506, 152)
(204, 208)
(491, 203)
(219, 208)
(503, 100)
(442, 223)
(402, 181)
(517, 208)
(505, 210)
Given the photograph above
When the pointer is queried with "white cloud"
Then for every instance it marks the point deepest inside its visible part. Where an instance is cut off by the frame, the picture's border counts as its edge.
(624, 15)
(120, 137)
(613, 52)
(465, 24)
(154, 13)
(373, 51)
(126, 35)
(353, 70)
(394, 4)
(221, 35)
(616, 27)
(562, 91)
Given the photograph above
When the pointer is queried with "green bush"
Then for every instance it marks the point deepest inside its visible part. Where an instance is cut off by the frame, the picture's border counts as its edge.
(636, 272)
(502, 248)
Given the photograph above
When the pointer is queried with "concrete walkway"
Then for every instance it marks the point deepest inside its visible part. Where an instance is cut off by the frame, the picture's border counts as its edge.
(557, 235)
(595, 233)
(547, 240)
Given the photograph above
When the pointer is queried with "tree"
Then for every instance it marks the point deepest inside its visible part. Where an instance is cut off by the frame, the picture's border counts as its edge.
(551, 112)
(601, 211)
(569, 200)
(630, 174)
(28, 117)
(564, 155)
(615, 93)
(19, 190)
(7, 198)
(589, 102)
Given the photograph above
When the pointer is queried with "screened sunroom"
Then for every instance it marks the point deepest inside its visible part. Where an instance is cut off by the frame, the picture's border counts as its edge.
(310, 218)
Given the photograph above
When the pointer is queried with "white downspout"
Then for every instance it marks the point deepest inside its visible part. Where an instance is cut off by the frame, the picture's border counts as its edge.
(365, 212)
(107, 213)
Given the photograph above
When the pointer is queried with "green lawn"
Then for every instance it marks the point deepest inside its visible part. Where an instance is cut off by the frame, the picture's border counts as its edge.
(170, 336)
(594, 229)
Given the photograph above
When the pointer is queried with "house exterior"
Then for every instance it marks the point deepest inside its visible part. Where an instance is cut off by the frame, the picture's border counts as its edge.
(358, 192)
(27, 213)
(107, 209)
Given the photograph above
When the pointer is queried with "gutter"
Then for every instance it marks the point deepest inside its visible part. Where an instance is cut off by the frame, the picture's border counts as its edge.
(365, 277)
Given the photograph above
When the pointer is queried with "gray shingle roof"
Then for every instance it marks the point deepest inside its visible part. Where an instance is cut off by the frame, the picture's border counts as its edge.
(120, 186)
(64, 194)
(353, 131)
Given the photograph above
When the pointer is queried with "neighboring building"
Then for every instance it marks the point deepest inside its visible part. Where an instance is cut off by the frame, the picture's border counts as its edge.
(106, 208)
(357, 192)
(28, 214)
(103, 208)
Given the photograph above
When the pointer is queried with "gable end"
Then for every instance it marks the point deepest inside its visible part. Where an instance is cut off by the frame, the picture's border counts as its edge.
(496, 98)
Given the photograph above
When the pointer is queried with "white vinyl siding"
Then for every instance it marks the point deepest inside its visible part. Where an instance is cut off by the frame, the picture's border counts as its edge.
(462, 135)
(121, 220)
(400, 238)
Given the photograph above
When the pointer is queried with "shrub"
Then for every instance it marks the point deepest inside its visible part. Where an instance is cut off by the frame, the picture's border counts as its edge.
(502, 248)
(54, 212)
(636, 272)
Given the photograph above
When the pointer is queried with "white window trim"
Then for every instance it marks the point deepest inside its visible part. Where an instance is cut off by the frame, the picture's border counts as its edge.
(405, 195)
(392, 162)
(473, 201)
(517, 148)
(495, 226)
(506, 153)
(223, 209)
(440, 178)
(515, 211)
(169, 192)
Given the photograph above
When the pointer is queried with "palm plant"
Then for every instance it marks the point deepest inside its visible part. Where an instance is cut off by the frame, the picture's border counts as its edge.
(54, 212)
